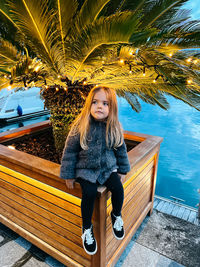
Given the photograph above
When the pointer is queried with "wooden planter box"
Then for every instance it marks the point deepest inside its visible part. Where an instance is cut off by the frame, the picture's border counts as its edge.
(35, 203)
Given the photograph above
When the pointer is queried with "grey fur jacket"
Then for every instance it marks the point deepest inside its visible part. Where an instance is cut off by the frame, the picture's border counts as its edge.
(98, 161)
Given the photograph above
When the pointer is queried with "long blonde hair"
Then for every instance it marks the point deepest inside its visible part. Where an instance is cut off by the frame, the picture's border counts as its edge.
(114, 132)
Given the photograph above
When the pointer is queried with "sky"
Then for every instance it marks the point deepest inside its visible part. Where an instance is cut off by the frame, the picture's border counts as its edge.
(194, 5)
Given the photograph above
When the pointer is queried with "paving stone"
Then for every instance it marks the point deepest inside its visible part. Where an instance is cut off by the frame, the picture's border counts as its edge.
(141, 256)
(33, 262)
(10, 253)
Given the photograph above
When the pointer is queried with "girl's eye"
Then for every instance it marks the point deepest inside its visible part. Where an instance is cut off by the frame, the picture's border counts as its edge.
(105, 103)
(94, 102)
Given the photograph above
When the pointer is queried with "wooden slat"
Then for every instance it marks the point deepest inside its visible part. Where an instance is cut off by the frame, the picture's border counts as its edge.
(43, 186)
(134, 184)
(73, 208)
(57, 241)
(68, 261)
(128, 212)
(35, 215)
(44, 204)
(113, 246)
(113, 259)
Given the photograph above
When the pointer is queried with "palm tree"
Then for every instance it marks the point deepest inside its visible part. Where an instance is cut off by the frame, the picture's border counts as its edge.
(143, 49)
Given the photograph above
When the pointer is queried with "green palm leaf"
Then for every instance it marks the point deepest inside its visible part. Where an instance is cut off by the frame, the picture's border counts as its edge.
(36, 22)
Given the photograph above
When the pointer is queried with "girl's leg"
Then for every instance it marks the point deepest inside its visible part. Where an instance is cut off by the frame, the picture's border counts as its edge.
(114, 185)
(89, 192)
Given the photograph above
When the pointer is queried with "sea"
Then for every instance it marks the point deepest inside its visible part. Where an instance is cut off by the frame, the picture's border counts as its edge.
(179, 160)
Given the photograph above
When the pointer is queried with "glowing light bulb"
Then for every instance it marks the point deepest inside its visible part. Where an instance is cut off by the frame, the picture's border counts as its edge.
(130, 71)
(189, 81)
(102, 61)
(189, 60)
(154, 81)
(170, 55)
(9, 87)
(131, 53)
(195, 61)
(65, 88)
(84, 82)
(36, 68)
(57, 89)
(144, 74)
(121, 61)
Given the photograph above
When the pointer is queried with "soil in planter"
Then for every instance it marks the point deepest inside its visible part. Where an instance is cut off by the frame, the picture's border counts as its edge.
(41, 144)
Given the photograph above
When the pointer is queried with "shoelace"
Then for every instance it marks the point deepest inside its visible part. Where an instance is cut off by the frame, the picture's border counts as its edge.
(118, 223)
(88, 236)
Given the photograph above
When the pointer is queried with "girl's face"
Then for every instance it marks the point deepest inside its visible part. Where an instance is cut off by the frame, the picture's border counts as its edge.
(99, 107)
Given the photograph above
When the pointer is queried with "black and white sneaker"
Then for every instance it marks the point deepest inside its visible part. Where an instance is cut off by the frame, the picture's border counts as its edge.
(117, 226)
(89, 241)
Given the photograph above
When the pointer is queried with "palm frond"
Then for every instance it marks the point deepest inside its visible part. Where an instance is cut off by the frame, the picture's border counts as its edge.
(114, 29)
(8, 54)
(88, 13)
(156, 11)
(36, 22)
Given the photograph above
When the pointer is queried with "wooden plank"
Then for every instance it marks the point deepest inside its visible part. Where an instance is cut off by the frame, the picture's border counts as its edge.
(114, 258)
(180, 212)
(43, 186)
(68, 261)
(156, 202)
(168, 208)
(44, 177)
(175, 210)
(67, 233)
(57, 241)
(134, 186)
(54, 209)
(154, 178)
(99, 259)
(26, 130)
(57, 200)
(186, 214)
(128, 212)
(192, 216)
(115, 244)
(160, 205)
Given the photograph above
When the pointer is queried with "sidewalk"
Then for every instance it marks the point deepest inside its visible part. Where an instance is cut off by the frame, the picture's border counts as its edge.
(162, 240)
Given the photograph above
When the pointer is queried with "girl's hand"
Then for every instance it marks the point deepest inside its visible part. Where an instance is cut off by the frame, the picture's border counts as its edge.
(70, 183)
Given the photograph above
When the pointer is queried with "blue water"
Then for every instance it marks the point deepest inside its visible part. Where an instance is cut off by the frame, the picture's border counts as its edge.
(179, 160)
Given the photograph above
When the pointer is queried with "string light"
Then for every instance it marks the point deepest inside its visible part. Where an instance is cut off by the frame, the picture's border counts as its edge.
(121, 61)
(58, 76)
(195, 61)
(36, 68)
(189, 60)
(84, 82)
(144, 74)
(170, 55)
(9, 87)
(65, 88)
(189, 81)
(57, 89)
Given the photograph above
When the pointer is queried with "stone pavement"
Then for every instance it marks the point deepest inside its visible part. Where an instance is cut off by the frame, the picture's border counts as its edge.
(162, 240)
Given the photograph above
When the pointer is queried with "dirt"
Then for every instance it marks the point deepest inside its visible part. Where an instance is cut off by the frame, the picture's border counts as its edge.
(40, 145)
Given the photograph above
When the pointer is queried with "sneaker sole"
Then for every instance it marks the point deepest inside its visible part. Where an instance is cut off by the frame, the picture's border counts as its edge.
(118, 238)
(90, 253)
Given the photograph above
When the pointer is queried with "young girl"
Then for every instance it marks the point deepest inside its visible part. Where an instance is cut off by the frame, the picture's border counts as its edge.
(94, 154)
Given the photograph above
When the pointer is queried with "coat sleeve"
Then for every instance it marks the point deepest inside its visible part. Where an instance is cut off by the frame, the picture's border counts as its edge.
(70, 157)
(122, 159)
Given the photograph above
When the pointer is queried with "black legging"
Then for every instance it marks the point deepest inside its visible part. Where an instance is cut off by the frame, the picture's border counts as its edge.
(89, 192)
